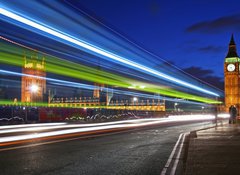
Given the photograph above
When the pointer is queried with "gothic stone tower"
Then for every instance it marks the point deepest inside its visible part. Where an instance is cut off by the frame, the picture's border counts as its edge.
(232, 76)
(33, 88)
(97, 93)
(97, 90)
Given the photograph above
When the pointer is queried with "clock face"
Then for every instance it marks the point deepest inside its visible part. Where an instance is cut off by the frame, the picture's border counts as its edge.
(231, 67)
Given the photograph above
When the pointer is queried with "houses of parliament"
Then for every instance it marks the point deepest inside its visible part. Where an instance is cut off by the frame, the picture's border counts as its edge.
(34, 68)
(33, 89)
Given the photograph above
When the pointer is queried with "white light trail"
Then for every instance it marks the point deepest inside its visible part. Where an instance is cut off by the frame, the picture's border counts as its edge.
(191, 117)
(224, 115)
(113, 125)
(30, 125)
(100, 51)
(72, 131)
(41, 127)
(80, 85)
(91, 87)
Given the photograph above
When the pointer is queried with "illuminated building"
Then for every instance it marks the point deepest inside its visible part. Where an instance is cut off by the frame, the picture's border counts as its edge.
(232, 76)
(33, 88)
(97, 90)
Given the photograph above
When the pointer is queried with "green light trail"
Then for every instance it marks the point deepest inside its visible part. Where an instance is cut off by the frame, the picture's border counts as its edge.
(13, 55)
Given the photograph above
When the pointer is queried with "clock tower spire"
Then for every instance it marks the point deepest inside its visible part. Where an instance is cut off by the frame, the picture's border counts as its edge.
(232, 51)
(232, 76)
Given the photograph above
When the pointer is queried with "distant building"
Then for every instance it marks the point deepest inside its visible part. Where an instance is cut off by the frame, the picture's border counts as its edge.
(232, 76)
(97, 90)
(33, 88)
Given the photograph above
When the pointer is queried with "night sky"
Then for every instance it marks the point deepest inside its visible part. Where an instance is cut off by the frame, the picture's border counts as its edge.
(193, 35)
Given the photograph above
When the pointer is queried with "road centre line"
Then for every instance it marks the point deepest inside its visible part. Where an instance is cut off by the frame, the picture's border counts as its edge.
(174, 168)
(171, 155)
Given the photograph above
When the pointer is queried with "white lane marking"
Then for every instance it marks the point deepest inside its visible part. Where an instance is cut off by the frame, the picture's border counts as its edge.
(173, 170)
(171, 155)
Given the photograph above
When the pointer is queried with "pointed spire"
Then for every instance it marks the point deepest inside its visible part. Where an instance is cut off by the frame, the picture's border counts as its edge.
(232, 51)
(232, 42)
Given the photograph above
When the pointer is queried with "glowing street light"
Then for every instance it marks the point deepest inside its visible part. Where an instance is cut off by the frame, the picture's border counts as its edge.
(34, 88)
(203, 108)
(135, 99)
(175, 106)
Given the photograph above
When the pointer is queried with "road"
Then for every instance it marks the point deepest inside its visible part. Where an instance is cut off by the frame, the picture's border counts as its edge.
(140, 152)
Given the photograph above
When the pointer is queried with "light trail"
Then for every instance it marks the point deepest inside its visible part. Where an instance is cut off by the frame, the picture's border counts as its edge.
(30, 125)
(224, 115)
(187, 117)
(130, 125)
(101, 51)
(141, 48)
(169, 92)
(41, 127)
(13, 50)
(10, 55)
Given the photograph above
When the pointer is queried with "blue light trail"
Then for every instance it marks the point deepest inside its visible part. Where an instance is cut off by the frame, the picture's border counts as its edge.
(91, 87)
(100, 51)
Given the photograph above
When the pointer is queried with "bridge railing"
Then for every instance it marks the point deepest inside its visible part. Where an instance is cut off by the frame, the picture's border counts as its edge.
(90, 100)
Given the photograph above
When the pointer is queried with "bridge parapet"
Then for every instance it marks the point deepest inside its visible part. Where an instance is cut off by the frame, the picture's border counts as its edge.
(88, 102)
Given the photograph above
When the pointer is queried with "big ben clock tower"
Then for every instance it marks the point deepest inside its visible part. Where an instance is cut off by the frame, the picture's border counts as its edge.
(33, 87)
(232, 76)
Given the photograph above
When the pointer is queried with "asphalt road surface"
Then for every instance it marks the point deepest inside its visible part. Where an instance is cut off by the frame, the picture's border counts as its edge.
(140, 152)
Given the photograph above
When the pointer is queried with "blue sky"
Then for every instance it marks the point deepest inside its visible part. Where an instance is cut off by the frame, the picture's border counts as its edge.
(187, 33)
(192, 35)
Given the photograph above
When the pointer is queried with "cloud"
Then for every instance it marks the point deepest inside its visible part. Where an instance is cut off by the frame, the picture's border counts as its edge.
(198, 71)
(210, 48)
(205, 75)
(229, 23)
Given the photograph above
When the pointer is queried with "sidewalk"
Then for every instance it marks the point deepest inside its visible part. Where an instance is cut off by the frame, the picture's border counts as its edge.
(214, 151)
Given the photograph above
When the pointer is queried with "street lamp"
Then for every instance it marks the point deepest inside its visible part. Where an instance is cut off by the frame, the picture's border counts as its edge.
(135, 99)
(175, 106)
(34, 88)
(203, 109)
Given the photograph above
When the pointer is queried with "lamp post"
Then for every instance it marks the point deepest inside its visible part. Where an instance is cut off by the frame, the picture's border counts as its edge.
(33, 89)
(25, 111)
(135, 99)
(175, 106)
(202, 109)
